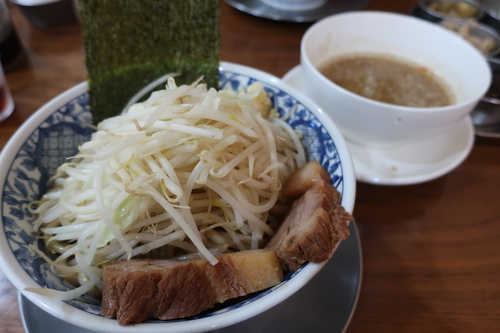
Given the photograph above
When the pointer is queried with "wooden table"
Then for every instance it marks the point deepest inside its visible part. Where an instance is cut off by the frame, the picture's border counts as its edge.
(431, 252)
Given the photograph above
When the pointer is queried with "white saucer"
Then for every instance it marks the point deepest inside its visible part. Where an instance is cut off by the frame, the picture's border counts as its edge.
(409, 164)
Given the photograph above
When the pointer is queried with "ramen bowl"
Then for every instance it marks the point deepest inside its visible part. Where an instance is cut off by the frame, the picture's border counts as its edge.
(461, 68)
(54, 133)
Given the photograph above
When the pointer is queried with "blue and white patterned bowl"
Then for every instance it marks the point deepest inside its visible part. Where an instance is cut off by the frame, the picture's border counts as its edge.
(54, 133)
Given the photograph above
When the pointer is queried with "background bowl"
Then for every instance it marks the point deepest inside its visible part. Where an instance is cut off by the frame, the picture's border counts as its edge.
(54, 133)
(480, 26)
(433, 10)
(491, 10)
(485, 38)
(374, 124)
(486, 115)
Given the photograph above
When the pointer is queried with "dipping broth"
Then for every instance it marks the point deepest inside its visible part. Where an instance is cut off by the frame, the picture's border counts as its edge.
(388, 80)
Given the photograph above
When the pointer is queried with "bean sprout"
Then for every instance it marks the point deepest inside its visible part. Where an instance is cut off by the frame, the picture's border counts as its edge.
(189, 172)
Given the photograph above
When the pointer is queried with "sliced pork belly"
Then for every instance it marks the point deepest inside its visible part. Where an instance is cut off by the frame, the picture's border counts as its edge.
(314, 226)
(136, 290)
(304, 178)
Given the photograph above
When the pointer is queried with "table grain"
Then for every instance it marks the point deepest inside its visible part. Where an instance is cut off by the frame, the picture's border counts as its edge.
(431, 252)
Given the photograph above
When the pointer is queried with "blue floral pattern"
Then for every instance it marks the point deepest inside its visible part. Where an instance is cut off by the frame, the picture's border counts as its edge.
(58, 138)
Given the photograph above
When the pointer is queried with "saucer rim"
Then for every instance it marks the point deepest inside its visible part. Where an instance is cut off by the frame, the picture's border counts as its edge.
(401, 180)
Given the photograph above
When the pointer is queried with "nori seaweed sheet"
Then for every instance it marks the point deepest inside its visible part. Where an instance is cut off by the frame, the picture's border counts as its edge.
(130, 43)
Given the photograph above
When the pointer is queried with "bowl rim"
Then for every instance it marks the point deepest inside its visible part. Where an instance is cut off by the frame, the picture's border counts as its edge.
(20, 279)
(384, 16)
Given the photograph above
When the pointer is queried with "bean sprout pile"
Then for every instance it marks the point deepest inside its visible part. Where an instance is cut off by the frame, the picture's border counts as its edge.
(190, 172)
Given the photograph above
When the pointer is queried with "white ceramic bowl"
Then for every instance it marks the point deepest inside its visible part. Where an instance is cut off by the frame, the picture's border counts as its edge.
(54, 133)
(380, 125)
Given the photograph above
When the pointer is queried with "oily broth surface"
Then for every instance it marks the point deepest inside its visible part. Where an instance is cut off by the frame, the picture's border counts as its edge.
(387, 79)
